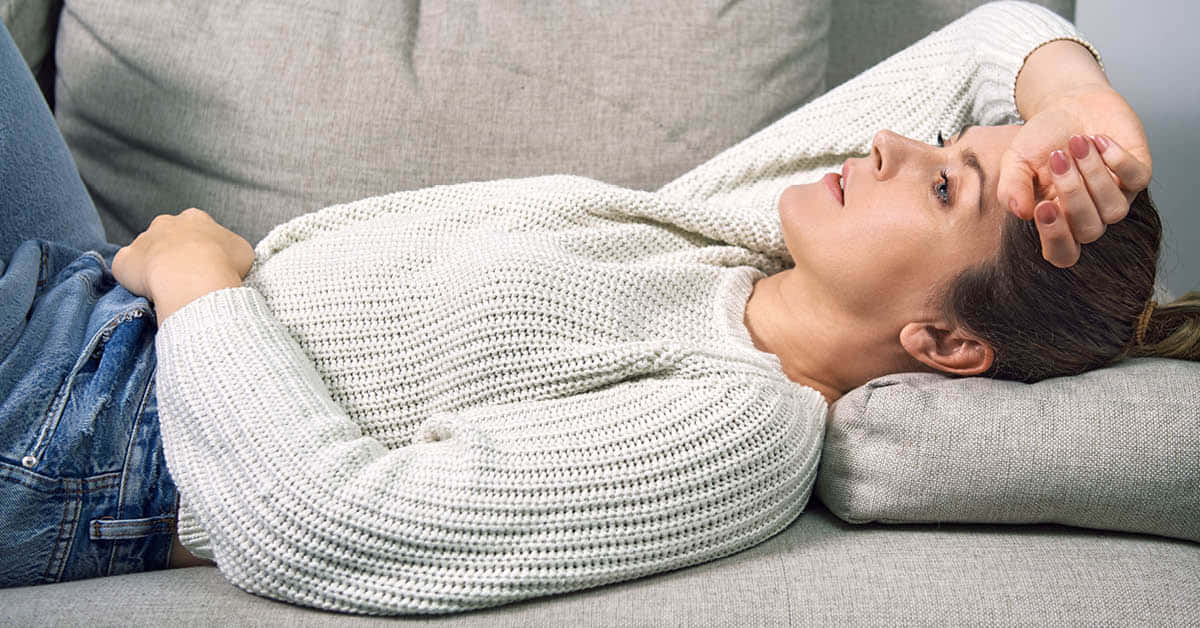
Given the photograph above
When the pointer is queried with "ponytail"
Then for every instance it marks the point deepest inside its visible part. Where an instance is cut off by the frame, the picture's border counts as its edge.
(1169, 331)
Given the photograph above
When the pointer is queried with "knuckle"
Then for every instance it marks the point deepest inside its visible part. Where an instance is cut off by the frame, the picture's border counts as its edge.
(1093, 170)
(1090, 233)
(1113, 209)
(1139, 180)
(1069, 185)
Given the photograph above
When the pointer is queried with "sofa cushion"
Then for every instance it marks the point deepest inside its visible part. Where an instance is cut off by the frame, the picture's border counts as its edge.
(816, 572)
(1116, 448)
(33, 24)
(864, 32)
(261, 111)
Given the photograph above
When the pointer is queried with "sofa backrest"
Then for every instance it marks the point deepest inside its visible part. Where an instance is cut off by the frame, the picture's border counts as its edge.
(865, 32)
(261, 111)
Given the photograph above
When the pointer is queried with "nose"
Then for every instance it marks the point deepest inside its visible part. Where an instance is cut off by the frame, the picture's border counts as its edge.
(891, 151)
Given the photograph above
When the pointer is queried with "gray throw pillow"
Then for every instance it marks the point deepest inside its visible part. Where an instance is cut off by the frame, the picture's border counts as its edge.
(261, 111)
(1116, 448)
(32, 24)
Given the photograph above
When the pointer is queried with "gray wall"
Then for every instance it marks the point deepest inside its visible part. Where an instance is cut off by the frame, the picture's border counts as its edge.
(1152, 56)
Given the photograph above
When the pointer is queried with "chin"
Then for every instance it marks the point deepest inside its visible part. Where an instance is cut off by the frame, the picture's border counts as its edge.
(801, 208)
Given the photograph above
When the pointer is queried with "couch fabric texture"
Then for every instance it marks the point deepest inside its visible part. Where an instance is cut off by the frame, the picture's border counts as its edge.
(820, 571)
(258, 112)
(1116, 448)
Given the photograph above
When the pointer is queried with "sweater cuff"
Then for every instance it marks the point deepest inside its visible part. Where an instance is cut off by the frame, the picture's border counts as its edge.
(204, 315)
(191, 534)
(213, 308)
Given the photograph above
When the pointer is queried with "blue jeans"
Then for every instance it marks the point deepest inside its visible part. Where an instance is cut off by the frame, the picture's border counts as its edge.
(84, 486)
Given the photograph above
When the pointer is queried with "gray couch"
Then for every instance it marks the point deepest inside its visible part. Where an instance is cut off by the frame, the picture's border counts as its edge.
(261, 111)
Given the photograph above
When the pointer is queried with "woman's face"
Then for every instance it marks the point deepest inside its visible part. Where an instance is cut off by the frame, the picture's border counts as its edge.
(909, 218)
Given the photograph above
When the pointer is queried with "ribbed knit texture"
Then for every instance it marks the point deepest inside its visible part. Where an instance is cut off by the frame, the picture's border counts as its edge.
(468, 395)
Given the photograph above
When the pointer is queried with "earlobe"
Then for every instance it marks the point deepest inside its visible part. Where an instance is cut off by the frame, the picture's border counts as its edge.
(953, 351)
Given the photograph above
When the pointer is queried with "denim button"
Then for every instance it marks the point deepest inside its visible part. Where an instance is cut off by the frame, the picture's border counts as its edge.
(29, 461)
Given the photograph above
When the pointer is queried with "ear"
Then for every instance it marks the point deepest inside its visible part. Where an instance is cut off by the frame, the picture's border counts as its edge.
(953, 351)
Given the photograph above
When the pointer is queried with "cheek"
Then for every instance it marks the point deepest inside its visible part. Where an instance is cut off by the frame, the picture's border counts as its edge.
(883, 259)
(865, 251)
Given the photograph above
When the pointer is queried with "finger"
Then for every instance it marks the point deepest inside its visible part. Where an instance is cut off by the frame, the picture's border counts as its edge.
(1015, 187)
(1058, 245)
(1133, 173)
(195, 212)
(1073, 196)
(1107, 197)
(120, 258)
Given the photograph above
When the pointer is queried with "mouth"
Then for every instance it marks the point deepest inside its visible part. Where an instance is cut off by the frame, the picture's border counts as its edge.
(833, 182)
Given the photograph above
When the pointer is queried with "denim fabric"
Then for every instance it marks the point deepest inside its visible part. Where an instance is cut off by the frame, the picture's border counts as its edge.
(41, 194)
(84, 487)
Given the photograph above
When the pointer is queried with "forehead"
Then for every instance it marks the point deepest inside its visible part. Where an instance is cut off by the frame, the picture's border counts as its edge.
(987, 139)
(986, 145)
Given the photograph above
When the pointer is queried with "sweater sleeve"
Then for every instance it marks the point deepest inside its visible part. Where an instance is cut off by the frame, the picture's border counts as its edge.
(485, 507)
(962, 74)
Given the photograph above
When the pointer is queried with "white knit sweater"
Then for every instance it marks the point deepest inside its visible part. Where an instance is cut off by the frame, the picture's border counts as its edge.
(468, 395)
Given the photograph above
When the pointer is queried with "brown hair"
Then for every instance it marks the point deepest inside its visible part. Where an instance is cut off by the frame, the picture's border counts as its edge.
(1042, 321)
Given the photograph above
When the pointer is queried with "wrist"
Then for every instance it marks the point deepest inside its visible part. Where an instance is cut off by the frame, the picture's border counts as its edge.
(1055, 69)
(173, 291)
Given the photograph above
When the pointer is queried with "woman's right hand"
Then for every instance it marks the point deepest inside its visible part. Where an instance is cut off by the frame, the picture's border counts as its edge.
(181, 258)
(1082, 149)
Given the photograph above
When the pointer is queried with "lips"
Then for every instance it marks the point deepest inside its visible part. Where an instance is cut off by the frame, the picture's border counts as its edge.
(832, 183)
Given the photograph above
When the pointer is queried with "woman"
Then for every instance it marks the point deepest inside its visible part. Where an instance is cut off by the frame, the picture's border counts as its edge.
(467, 395)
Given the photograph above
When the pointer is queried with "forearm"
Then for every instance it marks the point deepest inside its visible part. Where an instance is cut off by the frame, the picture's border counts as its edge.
(962, 74)
(1053, 69)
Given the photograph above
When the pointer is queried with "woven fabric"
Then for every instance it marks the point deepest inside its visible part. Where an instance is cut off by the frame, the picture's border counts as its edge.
(819, 571)
(1116, 448)
(472, 394)
(259, 112)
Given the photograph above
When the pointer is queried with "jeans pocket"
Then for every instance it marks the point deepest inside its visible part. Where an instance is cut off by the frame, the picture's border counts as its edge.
(82, 432)
(38, 516)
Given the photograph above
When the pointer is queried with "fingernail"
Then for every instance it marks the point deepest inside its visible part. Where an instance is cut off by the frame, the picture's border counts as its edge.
(1101, 142)
(1058, 162)
(1078, 146)
(1045, 213)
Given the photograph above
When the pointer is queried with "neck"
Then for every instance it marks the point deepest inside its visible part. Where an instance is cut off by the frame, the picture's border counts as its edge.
(817, 344)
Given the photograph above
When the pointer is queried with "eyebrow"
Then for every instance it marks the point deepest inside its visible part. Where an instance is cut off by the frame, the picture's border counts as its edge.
(969, 157)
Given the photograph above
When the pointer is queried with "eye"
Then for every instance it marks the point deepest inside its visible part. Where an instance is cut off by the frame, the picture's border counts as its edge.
(942, 188)
(940, 140)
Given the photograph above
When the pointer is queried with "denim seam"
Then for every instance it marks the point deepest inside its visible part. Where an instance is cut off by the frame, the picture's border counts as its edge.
(66, 531)
(18, 473)
(133, 436)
